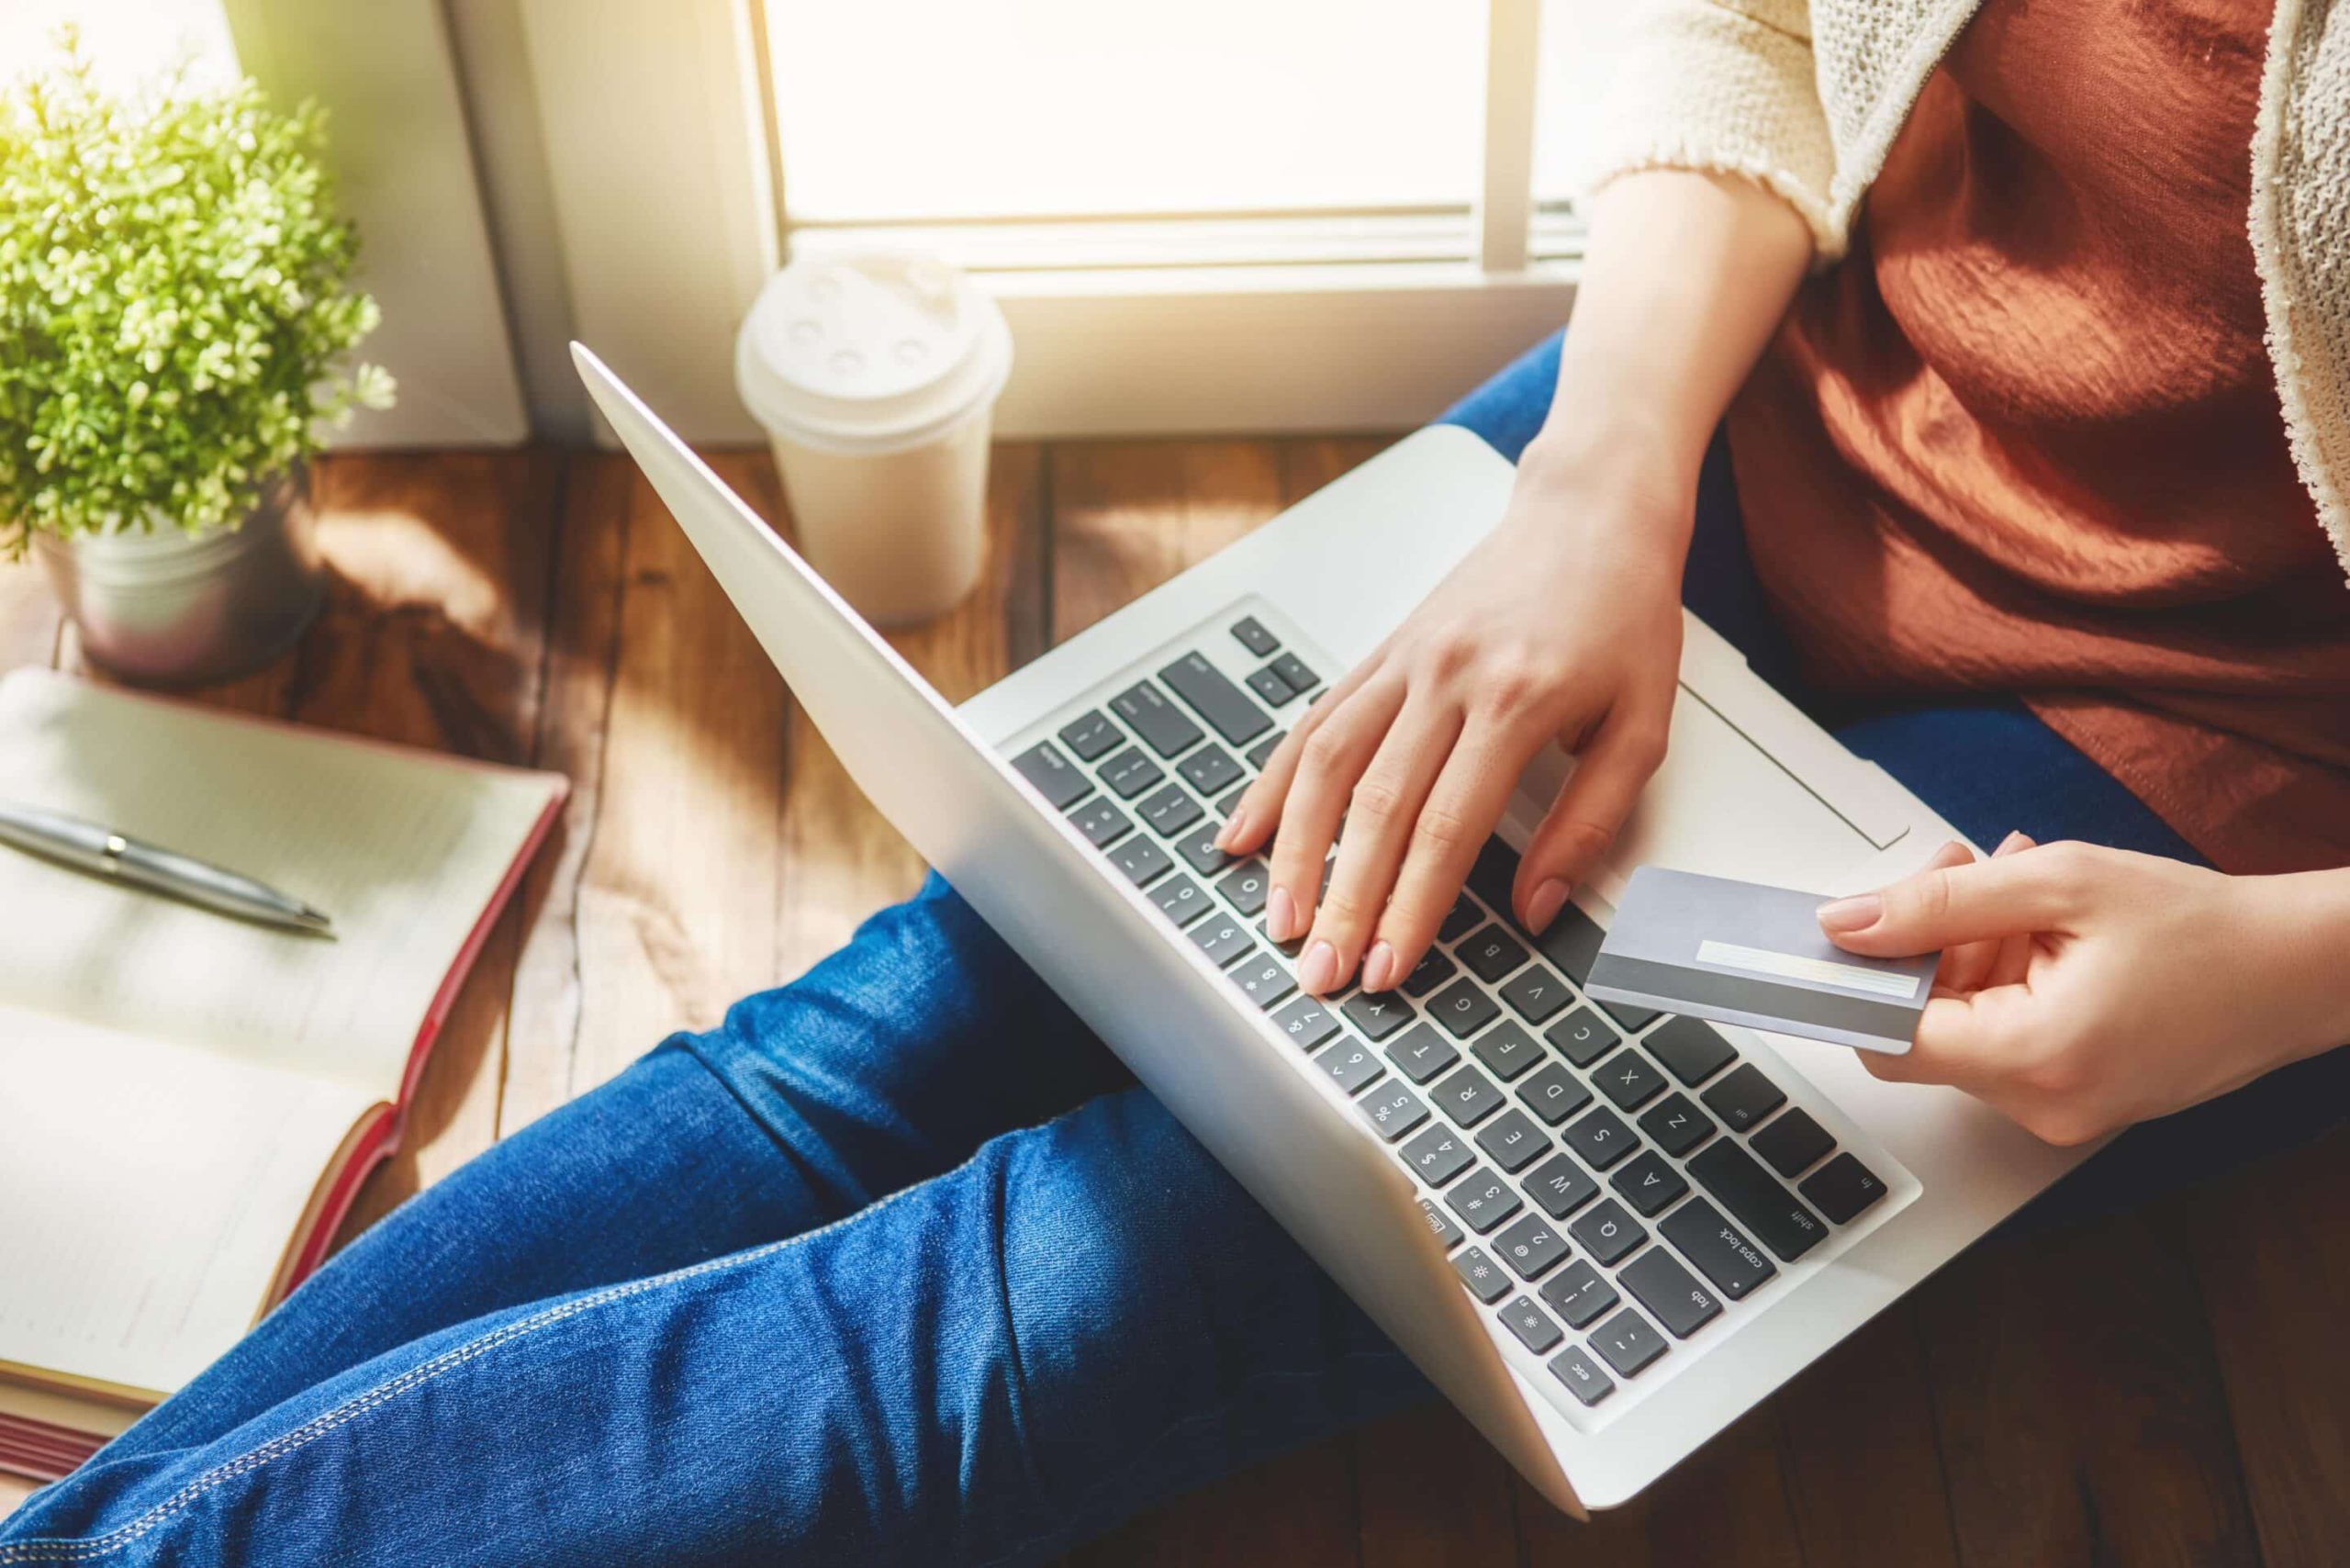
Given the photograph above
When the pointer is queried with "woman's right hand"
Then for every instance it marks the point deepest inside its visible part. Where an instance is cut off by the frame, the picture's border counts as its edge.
(1563, 624)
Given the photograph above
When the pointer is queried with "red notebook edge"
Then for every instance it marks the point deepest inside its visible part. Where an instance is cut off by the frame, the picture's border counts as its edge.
(382, 1137)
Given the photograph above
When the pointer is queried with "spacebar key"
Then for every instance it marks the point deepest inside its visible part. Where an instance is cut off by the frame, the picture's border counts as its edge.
(1213, 697)
(1756, 1201)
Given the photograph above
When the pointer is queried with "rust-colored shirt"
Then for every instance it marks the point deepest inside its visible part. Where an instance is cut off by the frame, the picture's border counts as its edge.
(2025, 438)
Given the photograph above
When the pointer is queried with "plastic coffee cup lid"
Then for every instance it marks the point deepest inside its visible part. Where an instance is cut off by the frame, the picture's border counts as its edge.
(870, 351)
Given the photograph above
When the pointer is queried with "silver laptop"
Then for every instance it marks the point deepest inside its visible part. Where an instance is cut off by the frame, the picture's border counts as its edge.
(1604, 1232)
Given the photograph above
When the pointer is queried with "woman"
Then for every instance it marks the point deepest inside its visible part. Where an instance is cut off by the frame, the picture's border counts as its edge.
(793, 1291)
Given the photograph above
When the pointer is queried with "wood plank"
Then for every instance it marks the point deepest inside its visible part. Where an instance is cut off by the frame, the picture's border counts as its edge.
(1864, 1473)
(2080, 1408)
(2275, 1278)
(1433, 1494)
(1726, 1505)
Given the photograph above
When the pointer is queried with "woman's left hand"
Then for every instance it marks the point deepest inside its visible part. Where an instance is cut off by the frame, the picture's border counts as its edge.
(2083, 988)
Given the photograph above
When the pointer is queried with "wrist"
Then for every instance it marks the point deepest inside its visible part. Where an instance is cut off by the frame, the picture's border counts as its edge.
(1623, 479)
(2307, 922)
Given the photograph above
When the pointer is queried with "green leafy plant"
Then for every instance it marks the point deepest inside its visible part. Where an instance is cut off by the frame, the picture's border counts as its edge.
(175, 302)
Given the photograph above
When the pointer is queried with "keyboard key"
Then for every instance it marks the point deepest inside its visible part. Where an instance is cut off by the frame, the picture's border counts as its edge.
(1143, 861)
(1483, 1200)
(1293, 670)
(1101, 822)
(1755, 1199)
(1492, 953)
(1582, 1036)
(1420, 1053)
(1255, 637)
(1209, 769)
(1462, 1008)
(1224, 941)
(1581, 1376)
(1554, 1094)
(1350, 1064)
(1609, 1233)
(1466, 1097)
(1630, 1016)
(1491, 877)
(1182, 900)
(1659, 1283)
(1531, 1325)
(1792, 1142)
(1579, 1294)
(1561, 1186)
(1628, 1080)
(1230, 801)
(1648, 1183)
(1159, 722)
(1485, 1279)
(1263, 981)
(1440, 1225)
(1744, 1098)
(1262, 752)
(1627, 1343)
(1721, 1252)
(1438, 1154)
(1392, 1111)
(1690, 1051)
(1532, 1247)
(1535, 993)
(1131, 772)
(1055, 777)
(1245, 886)
(1433, 969)
(1571, 941)
(1513, 1141)
(1170, 810)
(1508, 1050)
(1601, 1138)
(1199, 851)
(1091, 734)
(1463, 915)
(1306, 1022)
(1213, 698)
(1842, 1188)
(1377, 1014)
(1269, 688)
(1675, 1124)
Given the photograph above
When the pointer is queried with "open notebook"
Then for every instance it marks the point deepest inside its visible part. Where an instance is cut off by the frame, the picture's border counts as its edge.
(188, 1103)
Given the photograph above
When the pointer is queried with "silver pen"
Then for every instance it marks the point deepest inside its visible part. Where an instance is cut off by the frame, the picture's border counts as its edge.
(102, 851)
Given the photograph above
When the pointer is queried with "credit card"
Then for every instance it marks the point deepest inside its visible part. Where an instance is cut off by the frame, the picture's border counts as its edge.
(1745, 953)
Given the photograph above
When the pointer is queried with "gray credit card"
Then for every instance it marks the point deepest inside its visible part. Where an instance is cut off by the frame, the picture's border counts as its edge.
(1743, 953)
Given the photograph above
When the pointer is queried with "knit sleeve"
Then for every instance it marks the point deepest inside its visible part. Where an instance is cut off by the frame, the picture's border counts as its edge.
(1726, 87)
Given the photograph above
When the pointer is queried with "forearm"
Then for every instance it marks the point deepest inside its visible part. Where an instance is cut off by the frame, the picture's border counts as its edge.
(2308, 925)
(1685, 277)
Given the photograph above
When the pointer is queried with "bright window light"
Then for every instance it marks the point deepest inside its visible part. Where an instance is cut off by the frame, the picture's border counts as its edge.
(914, 109)
(129, 42)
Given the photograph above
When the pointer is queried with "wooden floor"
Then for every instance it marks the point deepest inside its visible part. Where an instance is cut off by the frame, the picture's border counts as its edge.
(2168, 1388)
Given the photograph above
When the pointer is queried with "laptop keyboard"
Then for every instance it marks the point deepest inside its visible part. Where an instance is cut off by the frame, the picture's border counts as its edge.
(1609, 1182)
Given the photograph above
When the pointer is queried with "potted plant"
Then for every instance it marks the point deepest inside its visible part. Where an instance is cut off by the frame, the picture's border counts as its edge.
(176, 308)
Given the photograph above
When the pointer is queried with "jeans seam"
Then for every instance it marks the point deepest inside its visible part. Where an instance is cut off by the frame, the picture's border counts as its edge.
(54, 1548)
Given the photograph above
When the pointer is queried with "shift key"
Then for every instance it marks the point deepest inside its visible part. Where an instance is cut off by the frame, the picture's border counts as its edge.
(1735, 1264)
(1756, 1201)
(1213, 696)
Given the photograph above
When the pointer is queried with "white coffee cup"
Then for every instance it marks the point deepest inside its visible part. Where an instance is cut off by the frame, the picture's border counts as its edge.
(876, 375)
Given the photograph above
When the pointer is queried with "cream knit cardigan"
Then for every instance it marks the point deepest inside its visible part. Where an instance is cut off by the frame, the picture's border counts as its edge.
(1806, 97)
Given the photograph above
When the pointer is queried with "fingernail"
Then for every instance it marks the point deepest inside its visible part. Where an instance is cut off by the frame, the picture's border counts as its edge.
(1320, 969)
(2016, 840)
(1543, 907)
(1378, 968)
(1851, 913)
(1281, 915)
(1229, 834)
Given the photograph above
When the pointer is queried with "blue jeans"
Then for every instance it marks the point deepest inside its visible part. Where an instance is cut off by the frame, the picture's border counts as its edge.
(893, 1266)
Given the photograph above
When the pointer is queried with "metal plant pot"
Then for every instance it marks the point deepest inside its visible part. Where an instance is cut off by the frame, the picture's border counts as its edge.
(164, 607)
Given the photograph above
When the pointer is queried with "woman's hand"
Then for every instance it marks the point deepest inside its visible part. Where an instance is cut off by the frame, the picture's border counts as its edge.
(1563, 624)
(2083, 988)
